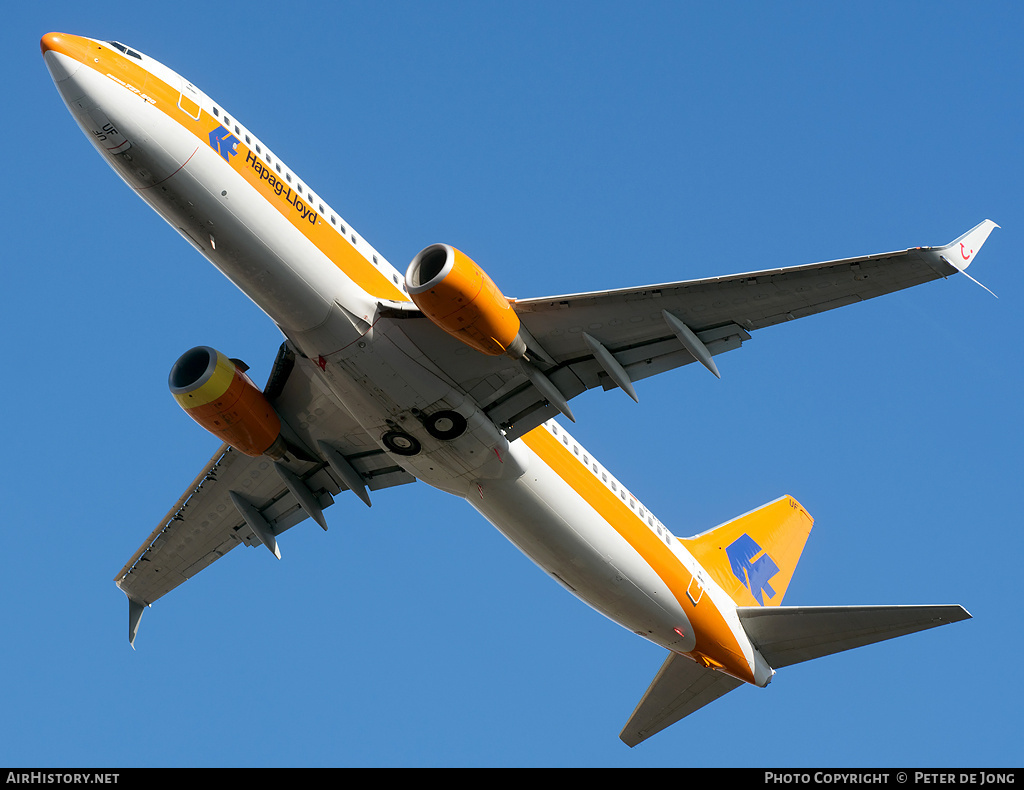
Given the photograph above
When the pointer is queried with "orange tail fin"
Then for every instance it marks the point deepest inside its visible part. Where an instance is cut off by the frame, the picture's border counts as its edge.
(753, 557)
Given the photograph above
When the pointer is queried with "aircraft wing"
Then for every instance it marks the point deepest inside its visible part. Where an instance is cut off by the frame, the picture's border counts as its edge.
(681, 687)
(614, 338)
(237, 499)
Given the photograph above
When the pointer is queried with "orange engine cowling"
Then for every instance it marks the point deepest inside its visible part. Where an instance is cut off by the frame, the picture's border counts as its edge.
(215, 392)
(452, 291)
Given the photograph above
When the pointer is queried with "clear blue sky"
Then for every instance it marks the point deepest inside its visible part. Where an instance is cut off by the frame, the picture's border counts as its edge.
(565, 146)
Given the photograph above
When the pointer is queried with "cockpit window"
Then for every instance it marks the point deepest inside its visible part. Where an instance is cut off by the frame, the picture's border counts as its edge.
(125, 50)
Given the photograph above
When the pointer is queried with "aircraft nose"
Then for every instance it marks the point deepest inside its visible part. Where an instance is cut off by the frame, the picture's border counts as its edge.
(52, 42)
(75, 47)
(63, 54)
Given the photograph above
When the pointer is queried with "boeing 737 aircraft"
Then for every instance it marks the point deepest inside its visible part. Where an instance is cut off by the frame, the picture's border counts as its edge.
(384, 379)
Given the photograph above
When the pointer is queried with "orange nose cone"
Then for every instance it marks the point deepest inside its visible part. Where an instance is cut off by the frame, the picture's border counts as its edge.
(50, 41)
(66, 44)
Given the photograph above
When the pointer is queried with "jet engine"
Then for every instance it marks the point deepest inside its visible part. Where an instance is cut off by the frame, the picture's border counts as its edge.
(452, 291)
(215, 392)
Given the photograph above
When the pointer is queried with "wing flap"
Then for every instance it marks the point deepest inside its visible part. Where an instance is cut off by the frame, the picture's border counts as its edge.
(787, 635)
(681, 687)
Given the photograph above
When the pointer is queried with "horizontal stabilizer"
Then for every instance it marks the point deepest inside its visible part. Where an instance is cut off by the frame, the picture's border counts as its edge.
(681, 687)
(787, 635)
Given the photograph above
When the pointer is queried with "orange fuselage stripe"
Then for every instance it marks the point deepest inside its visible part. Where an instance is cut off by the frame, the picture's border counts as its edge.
(715, 639)
(331, 242)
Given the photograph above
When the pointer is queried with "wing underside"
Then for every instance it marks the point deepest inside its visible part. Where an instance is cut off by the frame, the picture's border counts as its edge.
(610, 339)
(240, 500)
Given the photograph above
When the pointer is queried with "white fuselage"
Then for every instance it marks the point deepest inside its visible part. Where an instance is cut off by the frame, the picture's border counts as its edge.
(544, 492)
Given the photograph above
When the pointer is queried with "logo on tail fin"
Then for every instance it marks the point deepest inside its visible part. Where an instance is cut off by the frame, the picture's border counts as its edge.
(753, 574)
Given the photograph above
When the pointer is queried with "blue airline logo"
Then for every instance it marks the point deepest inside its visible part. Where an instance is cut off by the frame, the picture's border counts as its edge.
(753, 574)
(224, 143)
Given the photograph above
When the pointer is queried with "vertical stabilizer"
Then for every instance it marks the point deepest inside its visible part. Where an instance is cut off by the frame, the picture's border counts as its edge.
(753, 557)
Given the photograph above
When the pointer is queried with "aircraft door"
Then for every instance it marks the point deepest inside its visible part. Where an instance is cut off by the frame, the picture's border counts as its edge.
(189, 99)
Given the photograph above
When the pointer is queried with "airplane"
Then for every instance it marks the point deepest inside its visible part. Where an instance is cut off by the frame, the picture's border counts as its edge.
(437, 376)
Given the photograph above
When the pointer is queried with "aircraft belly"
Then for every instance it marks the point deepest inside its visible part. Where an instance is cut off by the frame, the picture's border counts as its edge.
(392, 390)
(559, 531)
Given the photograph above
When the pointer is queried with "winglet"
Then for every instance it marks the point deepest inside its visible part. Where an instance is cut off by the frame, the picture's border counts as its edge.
(961, 253)
(963, 250)
(135, 610)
